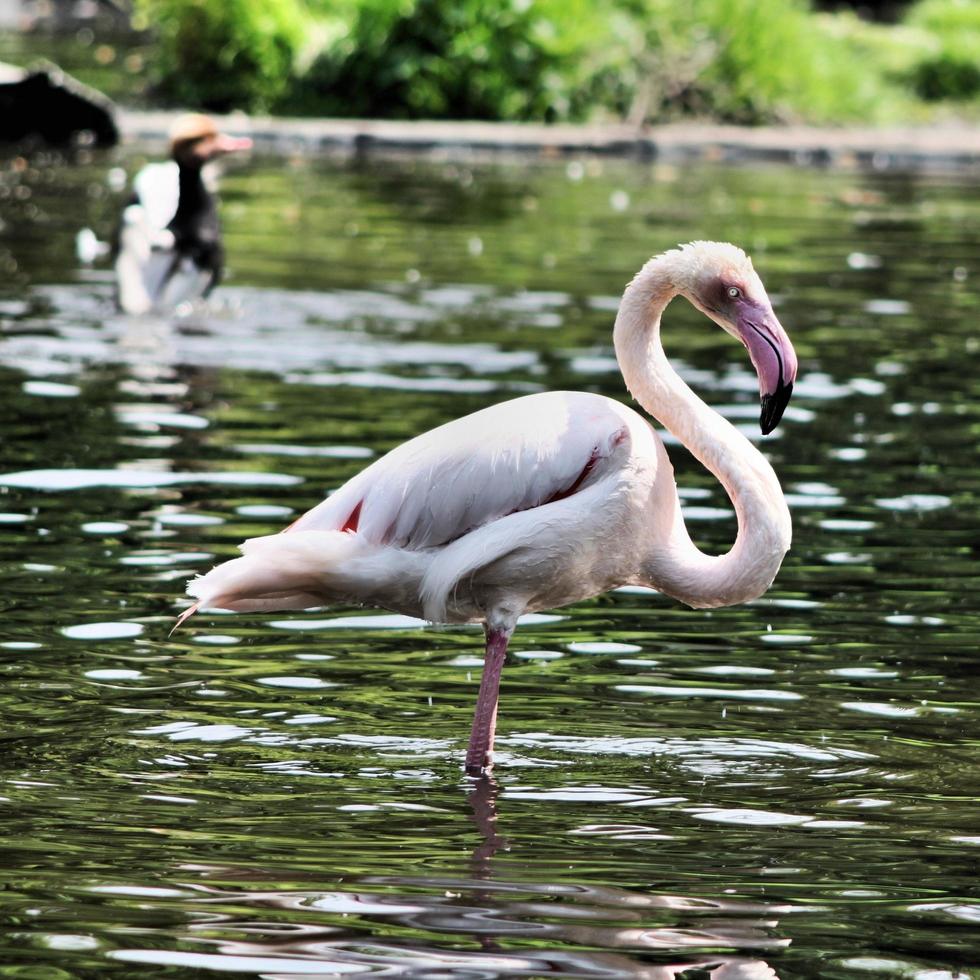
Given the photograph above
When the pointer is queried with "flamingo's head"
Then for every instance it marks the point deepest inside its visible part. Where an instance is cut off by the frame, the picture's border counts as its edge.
(195, 139)
(719, 280)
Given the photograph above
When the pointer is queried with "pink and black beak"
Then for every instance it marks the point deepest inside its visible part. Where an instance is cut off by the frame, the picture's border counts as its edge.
(772, 356)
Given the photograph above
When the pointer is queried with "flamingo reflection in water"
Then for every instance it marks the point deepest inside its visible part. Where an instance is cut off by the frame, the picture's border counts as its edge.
(418, 923)
(547, 499)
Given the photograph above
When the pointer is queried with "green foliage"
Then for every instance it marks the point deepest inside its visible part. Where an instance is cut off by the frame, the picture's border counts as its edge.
(457, 59)
(743, 61)
(746, 61)
(952, 69)
(773, 62)
(947, 76)
(235, 54)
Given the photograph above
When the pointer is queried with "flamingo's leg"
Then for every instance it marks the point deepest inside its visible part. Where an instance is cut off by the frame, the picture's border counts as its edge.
(479, 755)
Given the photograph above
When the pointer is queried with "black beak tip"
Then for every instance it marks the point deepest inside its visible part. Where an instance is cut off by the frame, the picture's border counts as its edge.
(773, 406)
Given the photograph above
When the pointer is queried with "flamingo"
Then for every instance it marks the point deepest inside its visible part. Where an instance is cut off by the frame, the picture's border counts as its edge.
(550, 498)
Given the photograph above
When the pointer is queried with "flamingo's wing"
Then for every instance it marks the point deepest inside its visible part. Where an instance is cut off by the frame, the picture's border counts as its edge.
(511, 457)
(446, 491)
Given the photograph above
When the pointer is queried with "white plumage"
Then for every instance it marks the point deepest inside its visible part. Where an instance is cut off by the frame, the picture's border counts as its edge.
(444, 506)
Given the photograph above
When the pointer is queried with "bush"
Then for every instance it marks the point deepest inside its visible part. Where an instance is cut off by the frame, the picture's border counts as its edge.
(946, 77)
(236, 54)
(746, 61)
(737, 60)
(446, 59)
(952, 70)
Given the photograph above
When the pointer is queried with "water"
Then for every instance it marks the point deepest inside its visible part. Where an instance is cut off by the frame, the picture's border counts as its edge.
(787, 788)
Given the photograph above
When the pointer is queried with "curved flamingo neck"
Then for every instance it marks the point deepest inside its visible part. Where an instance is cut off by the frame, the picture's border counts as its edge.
(673, 564)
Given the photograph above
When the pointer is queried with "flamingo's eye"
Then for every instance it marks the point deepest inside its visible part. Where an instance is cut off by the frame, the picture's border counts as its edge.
(734, 292)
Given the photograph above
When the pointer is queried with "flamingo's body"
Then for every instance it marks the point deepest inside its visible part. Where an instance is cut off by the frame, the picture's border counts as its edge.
(547, 499)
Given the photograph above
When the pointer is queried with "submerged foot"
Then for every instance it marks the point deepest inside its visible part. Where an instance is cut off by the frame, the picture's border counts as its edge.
(475, 767)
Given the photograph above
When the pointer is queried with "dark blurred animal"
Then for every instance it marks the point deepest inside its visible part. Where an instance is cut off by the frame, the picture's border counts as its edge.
(47, 105)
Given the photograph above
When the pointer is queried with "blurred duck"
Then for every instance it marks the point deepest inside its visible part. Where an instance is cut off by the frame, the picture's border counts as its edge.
(170, 249)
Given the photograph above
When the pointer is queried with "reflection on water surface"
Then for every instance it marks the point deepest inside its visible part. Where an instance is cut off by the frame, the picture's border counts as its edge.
(783, 789)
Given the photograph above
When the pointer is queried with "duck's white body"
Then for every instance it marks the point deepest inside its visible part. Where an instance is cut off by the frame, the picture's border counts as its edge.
(151, 277)
(547, 499)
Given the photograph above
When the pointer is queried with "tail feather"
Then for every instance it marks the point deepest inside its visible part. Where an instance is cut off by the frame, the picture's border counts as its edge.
(310, 568)
(279, 571)
(291, 601)
(184, 616)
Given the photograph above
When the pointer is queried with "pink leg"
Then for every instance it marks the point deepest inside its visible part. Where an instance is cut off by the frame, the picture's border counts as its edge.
(479, 756)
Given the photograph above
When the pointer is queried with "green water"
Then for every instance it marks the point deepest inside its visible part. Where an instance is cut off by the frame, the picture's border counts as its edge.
(784, 789)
